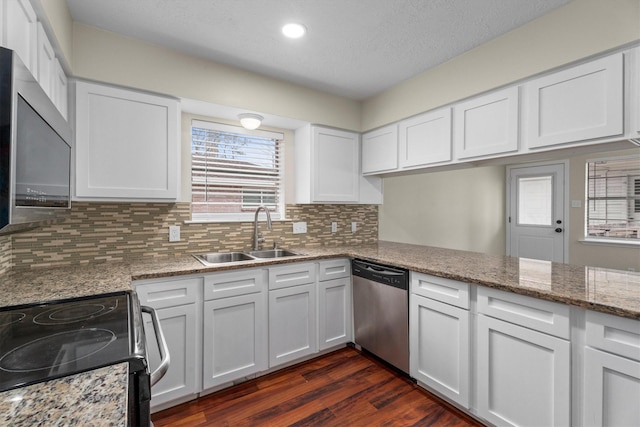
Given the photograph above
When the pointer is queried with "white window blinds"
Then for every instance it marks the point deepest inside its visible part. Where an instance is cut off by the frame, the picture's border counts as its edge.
(233, 171)
(613, 196)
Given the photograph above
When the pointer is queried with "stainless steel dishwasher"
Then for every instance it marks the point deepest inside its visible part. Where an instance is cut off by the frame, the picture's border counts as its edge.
(381, 311)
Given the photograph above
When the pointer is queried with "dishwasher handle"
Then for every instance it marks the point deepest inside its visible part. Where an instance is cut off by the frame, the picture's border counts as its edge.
(162, 346)
(377, 269)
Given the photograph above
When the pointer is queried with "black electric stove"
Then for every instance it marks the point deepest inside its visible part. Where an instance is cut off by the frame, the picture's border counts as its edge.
(41, 342)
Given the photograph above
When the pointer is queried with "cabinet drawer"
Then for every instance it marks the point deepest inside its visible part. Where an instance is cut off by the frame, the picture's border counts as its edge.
(544, 316)
(234, 283)
(291, 275)
(613, 334)
(334, 269)
(169, 293)
(444, 290)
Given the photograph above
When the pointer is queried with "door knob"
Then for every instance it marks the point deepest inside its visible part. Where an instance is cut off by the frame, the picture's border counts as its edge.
(558, 230)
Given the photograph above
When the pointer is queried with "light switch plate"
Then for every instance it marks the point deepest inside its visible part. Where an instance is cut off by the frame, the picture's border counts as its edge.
(354, 227)
(576, 203)
(299, 227)
(334, 227)
(174, 233)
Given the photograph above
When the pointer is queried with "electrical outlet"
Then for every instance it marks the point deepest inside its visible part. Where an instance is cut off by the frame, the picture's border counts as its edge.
(174, 233)
(299, 227)
(334, 227)
(354, 227)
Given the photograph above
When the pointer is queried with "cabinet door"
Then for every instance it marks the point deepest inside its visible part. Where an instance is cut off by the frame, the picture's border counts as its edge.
(581, 103)
(46, 63)
(334, 312)
(439, 354)
(426, 139)
(21, 24)
(61, 90)
(180, 326)
(611, 390)
(523, 375)
(235, 338)
(487, 125)
(380, 150)
(335, 165)
(178, 304)
(292, 323)
(126, 144)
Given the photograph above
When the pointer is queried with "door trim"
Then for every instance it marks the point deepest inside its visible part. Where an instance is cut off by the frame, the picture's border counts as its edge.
(565, 220)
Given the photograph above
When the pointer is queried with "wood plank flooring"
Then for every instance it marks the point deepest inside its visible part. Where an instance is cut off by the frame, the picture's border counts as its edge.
(343, 388)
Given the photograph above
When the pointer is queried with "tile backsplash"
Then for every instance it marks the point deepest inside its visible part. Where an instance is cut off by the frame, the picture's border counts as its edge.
(122, 231)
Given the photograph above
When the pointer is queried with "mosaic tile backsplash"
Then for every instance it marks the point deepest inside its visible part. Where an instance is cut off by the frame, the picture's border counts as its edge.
(121, 231)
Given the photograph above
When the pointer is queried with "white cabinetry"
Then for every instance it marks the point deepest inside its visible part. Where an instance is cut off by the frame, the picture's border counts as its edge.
(328, 168)
(524, 360)
(21, 31)
(581, 103)
(611, 371)
(439, 335)
(292, 312)
(178, 304)
(47, 63)
(380, 150)
(426, 139)
(61, 90)
(127, 144)
(487, 125)
(334, 303)
(235, 331)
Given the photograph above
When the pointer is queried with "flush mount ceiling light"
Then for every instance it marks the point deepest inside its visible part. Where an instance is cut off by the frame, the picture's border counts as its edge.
(294, 31)
(250, 120)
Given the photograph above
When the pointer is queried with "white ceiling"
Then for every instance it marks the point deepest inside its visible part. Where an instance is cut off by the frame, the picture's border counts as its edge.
(353, 48)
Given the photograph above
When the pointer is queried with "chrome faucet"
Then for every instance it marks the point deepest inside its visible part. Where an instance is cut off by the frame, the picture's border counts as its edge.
(257, 239)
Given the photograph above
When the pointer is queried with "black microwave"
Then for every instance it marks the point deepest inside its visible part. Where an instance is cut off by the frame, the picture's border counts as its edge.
(35, 151)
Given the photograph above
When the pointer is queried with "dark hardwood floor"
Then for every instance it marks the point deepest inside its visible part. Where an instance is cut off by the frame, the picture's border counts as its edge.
(343, 388)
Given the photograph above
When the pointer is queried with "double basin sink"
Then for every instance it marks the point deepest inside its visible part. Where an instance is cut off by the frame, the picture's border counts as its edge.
(217, 258)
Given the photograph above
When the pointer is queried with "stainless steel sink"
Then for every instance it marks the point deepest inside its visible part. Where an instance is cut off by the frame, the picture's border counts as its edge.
(223, 257)
(273, 253)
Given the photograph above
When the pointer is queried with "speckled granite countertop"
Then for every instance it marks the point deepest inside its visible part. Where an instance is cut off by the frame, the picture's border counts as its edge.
(95, 398)
(610, 291)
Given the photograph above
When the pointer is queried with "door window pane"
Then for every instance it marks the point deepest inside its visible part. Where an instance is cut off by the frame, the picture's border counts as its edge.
(535, 200)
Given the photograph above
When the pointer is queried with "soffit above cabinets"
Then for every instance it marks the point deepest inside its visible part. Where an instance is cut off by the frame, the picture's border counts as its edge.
(353, 48)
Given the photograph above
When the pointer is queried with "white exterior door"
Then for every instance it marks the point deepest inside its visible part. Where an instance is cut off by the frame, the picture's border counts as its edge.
(536, 219)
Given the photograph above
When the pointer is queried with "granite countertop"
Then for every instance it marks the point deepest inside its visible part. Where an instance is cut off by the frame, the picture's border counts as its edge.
(95, 398)
(611, 291)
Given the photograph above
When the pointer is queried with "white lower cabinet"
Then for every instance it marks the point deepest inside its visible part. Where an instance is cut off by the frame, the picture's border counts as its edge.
(292, 323)
(334, 303)
(523, 375)
(178, 304)
(439, 353)
(611, 371)
(235, 338)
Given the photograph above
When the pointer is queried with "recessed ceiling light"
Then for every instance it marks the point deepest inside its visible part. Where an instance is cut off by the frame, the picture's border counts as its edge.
(294, 31)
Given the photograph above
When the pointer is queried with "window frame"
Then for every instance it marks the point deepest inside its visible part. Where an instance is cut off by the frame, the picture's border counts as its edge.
(633, 241)
(246, 214)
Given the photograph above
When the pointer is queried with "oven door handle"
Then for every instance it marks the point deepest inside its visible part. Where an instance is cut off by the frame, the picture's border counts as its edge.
(162, 346)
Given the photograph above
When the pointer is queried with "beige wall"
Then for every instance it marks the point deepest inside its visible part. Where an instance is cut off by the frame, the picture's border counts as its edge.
(112, 58)
(462, 209)
(580, 29)
(580, 253)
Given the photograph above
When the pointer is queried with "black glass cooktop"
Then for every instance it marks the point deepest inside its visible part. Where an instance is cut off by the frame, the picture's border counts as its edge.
(46, 341)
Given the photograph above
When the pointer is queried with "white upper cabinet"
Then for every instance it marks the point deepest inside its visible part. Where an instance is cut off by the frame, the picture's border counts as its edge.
(127, 144)
(61, 90)
(21, 31)
(487, 125)
(327, 168)
(380, 150)
(426, 139)
(46, 63)
(581, 103)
